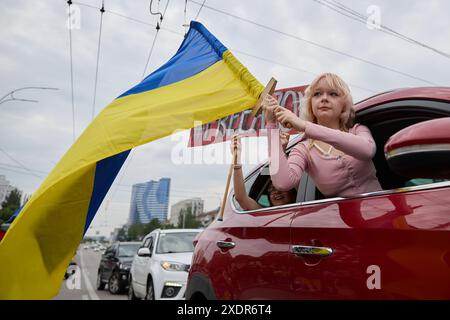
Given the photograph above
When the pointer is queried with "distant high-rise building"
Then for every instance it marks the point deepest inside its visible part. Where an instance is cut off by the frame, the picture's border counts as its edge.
(149, 200)
(5, 188)
(196, 205)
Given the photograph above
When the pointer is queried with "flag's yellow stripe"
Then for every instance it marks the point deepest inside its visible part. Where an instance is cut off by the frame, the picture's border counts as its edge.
(40, 242)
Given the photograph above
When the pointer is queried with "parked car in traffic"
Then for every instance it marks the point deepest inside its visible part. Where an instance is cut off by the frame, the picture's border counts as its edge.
(5, 225)
(389, 244)
(160, 268)
(3, 228)
(115, 265)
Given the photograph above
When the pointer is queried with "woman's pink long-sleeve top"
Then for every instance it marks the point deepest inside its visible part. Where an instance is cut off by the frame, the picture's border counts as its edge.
(350, 174)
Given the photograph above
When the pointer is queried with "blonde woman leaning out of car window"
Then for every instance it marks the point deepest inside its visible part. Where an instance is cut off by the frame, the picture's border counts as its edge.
(276, 197)
(336, 154)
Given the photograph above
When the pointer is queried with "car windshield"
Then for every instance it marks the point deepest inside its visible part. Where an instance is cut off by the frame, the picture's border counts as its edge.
(176, 242)
(128, 249)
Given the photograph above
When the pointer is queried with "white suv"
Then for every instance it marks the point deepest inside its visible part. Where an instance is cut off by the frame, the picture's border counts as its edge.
(160, 267)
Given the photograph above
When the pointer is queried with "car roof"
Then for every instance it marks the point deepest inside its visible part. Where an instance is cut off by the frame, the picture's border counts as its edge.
(421, 93)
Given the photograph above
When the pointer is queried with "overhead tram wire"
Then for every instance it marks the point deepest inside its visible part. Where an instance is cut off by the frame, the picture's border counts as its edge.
(354, 15)
(102, 10)
(185, 24)
(298, 69)
(386, 29)
(19, 163)
(158, 27)
(180, 34)
(18, 169)
(317, 44)
(235, 50)
(126, 17)
(15, 167)
(201, 7)
(3, 167)
(69, 2)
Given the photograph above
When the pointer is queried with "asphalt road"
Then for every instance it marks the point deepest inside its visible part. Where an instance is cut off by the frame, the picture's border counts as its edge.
(82, 285)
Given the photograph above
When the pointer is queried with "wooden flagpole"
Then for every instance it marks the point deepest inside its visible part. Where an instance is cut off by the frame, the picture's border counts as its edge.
(269, 89)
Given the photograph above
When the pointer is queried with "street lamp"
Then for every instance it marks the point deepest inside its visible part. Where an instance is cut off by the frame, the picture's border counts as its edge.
(12, 98)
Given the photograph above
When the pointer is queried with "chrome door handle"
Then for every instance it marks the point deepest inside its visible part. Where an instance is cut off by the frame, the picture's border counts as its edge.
(312, 251)
(225, 244)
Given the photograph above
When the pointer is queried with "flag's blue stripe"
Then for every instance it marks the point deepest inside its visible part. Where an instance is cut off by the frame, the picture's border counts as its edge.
(106, 171)
(199, 50)
(15, 214)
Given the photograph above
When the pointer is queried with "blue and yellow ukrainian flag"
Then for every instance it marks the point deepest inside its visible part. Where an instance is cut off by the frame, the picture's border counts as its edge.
(202, 82)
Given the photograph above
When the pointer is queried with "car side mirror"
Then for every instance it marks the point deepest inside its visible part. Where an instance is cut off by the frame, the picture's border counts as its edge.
(144, 252)
(421, 150)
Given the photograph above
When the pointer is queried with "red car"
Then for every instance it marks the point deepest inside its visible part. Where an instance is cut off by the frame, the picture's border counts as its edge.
(391, 244)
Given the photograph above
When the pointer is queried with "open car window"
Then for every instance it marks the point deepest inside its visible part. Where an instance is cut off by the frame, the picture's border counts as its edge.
(257, 185)
(422, 181)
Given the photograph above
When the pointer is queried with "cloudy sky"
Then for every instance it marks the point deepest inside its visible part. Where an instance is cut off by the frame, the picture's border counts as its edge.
(291, 40)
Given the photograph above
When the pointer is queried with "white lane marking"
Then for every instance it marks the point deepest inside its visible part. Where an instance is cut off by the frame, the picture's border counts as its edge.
(92, 294)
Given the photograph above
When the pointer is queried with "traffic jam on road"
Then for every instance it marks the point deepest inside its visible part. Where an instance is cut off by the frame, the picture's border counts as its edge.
(152, 269)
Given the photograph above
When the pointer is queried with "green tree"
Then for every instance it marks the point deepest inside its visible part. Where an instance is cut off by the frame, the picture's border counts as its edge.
(152, 225)
(135, 231)
(10, 204)
(122, 235)
(139, 230)
(168, 226)
(187, 219)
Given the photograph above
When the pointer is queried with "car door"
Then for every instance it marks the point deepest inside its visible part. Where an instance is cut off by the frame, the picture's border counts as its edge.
(108, 261)
(250, 248)
(140, 268)
(103, 261)
(387, 245)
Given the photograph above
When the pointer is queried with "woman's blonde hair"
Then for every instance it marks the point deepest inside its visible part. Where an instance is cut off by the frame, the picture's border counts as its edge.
(334, 81)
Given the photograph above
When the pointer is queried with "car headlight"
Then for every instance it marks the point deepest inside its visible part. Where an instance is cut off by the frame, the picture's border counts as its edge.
(174, 266)
(124, 266)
